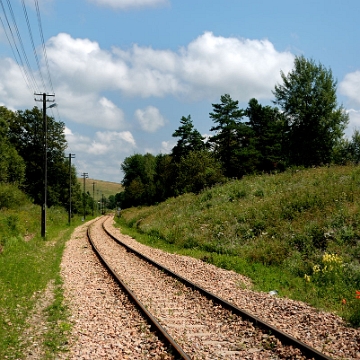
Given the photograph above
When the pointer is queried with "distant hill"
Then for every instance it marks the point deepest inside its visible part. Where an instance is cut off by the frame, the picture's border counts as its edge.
(101, 187)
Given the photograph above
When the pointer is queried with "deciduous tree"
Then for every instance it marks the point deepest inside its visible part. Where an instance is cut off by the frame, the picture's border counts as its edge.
(27, 136)
(316, 122)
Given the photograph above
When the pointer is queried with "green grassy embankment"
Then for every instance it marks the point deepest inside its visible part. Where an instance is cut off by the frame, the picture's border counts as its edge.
(297, 232)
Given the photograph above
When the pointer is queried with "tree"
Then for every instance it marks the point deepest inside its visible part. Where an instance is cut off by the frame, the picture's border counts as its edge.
(165, 177)
(348, 151)
(190, 139)
(268, 126)
(198, 171)
(12, 166)
(231, 143)
(316, 122)
(26, 134)
(138, 180)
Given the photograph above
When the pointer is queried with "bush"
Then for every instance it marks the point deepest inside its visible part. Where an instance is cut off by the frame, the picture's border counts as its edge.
(11, 197)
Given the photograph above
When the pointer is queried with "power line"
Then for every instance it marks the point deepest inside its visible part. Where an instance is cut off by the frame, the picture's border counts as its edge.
(32, 43)
(12, 32)
(43, 43)
(13, 51)
(22, 45)
(12, 45)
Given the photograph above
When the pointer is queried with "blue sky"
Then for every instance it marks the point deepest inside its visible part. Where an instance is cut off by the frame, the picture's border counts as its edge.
(124, 72)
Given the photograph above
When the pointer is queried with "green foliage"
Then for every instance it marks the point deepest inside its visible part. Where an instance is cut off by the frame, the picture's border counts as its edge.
(273, 228)
(316, 123)
(190, 140)
(268, 126)
(197, 171)
(12, 166)
(165, 177)
(139, 175)
(11, 197)
(25, 133)
(348, 151)
(231, 143)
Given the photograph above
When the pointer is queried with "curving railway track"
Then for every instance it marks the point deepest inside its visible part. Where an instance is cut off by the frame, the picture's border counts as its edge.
(193, 322)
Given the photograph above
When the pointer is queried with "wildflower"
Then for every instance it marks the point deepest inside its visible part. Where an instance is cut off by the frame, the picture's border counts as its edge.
(316, 268)
(343, 301)
(331, 259)
(307, 278)
(357, 294)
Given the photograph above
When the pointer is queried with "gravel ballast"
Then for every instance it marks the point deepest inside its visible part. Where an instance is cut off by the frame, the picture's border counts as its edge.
(105, 324)
(107, 327)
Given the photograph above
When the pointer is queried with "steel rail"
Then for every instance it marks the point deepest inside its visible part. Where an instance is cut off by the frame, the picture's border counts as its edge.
(178, 352)
(282, 336)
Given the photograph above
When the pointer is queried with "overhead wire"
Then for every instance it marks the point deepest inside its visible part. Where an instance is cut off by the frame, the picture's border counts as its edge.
(33, 44)
(46, 57)
(13, 45)
(16, 42)
(13, 51)
(31, 75)
(43, 43)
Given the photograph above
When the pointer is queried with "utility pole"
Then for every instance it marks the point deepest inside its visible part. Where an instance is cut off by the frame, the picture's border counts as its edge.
(71, 156)
(85, 176)
(44, 205)
(98, 202)
(93, 205)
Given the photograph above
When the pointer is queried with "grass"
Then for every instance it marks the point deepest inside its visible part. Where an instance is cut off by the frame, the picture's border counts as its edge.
(276, 229)
(28, 263)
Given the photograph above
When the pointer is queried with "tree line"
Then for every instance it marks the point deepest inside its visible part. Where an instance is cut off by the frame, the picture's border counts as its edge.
(22, 159)
(304, 128)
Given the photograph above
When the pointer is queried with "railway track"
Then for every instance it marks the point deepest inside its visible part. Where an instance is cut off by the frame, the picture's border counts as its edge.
(195, 323)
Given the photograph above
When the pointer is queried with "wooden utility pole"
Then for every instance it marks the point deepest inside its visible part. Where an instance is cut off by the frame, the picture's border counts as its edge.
(85, 176)
(44, 204)
(93, 198)
(71, 156)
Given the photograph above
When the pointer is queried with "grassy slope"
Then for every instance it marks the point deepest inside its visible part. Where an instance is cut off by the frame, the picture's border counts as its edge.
(101, 187)
(275, 229)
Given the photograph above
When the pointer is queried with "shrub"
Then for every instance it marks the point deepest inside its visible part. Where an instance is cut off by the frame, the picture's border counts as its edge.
(11, 197)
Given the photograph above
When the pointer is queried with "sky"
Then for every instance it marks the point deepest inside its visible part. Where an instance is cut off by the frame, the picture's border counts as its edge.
(124, 72)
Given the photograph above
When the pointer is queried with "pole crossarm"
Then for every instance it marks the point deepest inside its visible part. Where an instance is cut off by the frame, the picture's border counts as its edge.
(46, 95)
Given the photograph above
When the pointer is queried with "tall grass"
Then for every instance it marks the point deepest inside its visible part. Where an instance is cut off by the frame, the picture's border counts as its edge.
(275, 229)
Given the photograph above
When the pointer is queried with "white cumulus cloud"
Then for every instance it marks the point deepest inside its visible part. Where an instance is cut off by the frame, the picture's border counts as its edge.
(210, 65)
(100, 155)
(89, 109)
(149, 119)
(350, 87)
(354, 123)
(167, 146)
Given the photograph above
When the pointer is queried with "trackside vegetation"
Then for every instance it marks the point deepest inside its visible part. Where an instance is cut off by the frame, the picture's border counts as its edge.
(297, 232)
(28, 264)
